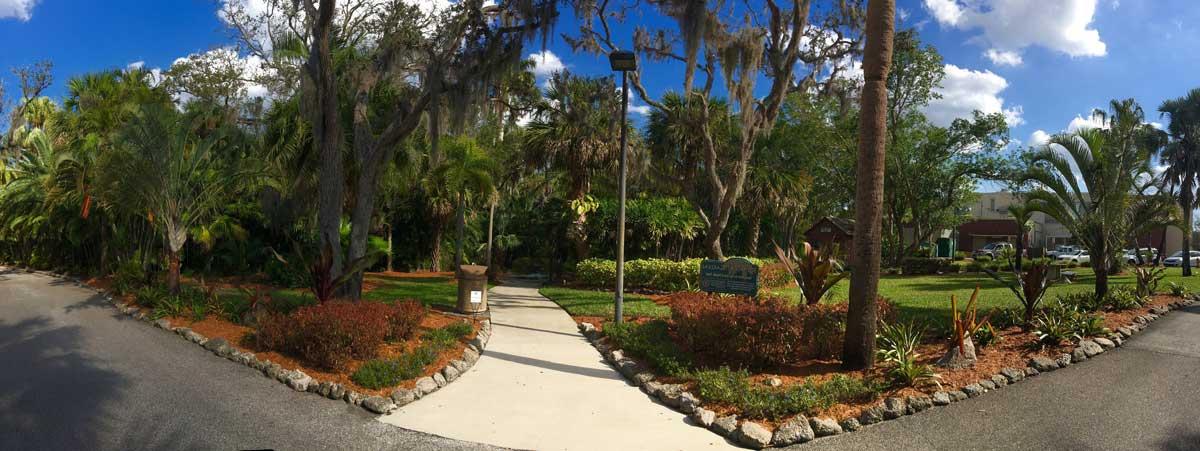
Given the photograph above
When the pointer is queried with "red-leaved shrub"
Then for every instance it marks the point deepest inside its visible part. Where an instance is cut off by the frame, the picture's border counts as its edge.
(404, 318)
(758, 333)
(328, 335)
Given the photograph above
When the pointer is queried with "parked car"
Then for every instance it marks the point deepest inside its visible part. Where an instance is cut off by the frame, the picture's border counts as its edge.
(992, 250)
(1079, 256)
(1062, 249)
(1176, 259)
(1148, 255)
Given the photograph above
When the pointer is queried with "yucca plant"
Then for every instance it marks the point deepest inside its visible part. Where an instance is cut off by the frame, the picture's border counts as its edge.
(1030, 287)
(816, 271)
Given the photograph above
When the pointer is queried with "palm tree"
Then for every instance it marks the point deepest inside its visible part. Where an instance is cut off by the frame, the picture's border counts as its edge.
(573, 132)
(169, 174)
(466, 170)
(1181, 156)
(858, 350)
(1021, 214)
(1092, 202)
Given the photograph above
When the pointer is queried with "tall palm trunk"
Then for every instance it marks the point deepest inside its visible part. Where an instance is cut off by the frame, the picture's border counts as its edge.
(435, 258)
(458, 241)
(172, 271)
(858, 349)
(1188, 203)
(1100, 266)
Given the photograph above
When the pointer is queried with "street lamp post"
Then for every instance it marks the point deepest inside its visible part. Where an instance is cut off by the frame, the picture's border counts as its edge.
(622, 61)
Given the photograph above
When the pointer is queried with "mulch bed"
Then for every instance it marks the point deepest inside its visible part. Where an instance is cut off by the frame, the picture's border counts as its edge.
(1014, 350)
(237, 336)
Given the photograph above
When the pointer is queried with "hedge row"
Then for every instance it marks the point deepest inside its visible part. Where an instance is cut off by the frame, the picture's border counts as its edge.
(666, 275)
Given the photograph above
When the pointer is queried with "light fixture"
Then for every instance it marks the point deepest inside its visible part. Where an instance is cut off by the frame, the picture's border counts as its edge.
(623, 60)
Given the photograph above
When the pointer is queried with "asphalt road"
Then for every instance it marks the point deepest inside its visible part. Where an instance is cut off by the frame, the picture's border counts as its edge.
(75, 374)
(1144, 396)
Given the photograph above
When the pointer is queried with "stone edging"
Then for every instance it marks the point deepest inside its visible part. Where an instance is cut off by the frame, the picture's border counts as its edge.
(801, 429)
(296, 379)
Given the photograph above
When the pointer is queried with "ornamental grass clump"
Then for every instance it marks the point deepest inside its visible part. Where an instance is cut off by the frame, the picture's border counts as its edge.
(735, 388)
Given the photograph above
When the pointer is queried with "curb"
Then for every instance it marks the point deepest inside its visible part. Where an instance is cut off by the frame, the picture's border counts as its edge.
(801, 429)
(295, 379)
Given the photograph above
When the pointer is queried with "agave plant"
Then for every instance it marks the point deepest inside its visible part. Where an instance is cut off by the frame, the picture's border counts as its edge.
(816, 272)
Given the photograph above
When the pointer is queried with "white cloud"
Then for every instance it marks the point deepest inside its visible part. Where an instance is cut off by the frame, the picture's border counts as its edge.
(136, 65)
(1039, 138)
(964, 91)
(546, 63)
(1012, 25)
(21, 10)
(902, 14)
(1083, 123)
(1003, 58)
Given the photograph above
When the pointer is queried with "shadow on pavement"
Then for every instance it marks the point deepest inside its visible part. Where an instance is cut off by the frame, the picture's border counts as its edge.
(57, 398)
(554, 366)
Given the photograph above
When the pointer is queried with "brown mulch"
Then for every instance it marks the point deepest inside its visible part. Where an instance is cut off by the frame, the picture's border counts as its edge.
(235, 334)
(1014, 350)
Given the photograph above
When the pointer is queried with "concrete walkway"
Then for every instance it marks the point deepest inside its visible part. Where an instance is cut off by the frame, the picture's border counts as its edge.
(540, 385)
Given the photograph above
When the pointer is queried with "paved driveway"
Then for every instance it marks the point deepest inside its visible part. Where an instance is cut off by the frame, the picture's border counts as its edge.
(74, 374)
(1145, 395)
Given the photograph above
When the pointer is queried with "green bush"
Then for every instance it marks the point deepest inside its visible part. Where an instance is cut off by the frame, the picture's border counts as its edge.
(662, 274)
(960, 255)
(734, 388)
(1123, 298)
(1061, 322)
(924, 266)
(1086, 301)
(284, 275)
(650, 341)
(983, 259)
(986, 336)
(897, 348)
(382, 373)
(1178, 290)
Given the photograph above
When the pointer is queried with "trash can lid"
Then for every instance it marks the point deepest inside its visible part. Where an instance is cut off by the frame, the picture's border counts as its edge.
(472, 271)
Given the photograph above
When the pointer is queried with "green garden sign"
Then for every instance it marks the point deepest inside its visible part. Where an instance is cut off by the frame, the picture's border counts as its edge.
(734, 276)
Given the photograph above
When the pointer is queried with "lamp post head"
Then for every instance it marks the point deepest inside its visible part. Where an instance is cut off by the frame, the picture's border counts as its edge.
(622, 60)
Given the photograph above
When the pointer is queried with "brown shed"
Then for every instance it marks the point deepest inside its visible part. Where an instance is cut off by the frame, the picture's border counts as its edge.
(832, 231)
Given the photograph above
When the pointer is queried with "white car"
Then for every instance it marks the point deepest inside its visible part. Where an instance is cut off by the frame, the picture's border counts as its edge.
(1148, 255)
(1079, 257)
(1176, 259)
(1061, 250)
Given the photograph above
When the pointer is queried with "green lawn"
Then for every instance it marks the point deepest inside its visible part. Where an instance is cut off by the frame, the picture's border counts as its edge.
(600, 303)
(916, 297)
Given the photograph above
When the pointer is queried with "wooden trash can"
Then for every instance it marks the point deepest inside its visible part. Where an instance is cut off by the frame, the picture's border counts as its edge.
(472, 289)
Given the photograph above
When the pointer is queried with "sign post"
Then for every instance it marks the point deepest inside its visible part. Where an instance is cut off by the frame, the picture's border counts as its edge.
(734, 276)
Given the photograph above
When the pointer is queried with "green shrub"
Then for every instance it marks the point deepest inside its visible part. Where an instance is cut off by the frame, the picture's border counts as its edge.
(974, 266)
(1086, 301)
(1123, 298)
(983, 259)
(284, 275)
(986, 336)
(650, 341)
(660, 274)
(150, 295)
(924, 266)
(128, 276)
(1059, 323)
(960, 255)
(1147, 280)
(381, 373)
(734, 388)
(1005, 317)
(1178, 290)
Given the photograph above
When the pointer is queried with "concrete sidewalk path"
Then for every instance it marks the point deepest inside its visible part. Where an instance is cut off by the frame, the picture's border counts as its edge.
(541, 385)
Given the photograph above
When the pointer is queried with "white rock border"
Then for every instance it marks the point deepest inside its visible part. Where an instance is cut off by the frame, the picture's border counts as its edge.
(296, 379)
(801, 429)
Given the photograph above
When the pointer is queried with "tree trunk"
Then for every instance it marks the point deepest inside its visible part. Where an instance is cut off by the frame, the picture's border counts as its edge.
(755, 231)
(858, 350)
(1187, 225)
(391, 250)
(435, 258)
(327, 132)
(1019, 251)
(360, 225)
(1100, 266)
(172, 271)
(712, 243)
(491, 219)
(460, 222)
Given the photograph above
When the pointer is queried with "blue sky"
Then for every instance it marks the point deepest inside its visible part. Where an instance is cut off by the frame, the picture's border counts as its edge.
(1074, 55)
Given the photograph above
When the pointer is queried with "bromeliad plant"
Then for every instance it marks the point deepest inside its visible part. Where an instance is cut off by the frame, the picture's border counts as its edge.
(816, 272)
(1030, 287)
(323, 285)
